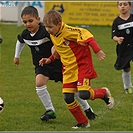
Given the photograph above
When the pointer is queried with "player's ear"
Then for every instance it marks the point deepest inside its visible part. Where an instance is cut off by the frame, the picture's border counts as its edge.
(38, 19)
(59, 24)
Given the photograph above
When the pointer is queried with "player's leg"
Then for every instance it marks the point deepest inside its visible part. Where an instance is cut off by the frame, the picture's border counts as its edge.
(45, 98)
(74, 108)
(126, 77)
(86, 107)
(86, 92)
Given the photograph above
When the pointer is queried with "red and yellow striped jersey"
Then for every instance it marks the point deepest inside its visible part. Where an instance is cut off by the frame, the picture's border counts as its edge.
(70, 43)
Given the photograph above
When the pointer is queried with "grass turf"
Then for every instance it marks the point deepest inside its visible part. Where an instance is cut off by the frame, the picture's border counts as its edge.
(23, 108)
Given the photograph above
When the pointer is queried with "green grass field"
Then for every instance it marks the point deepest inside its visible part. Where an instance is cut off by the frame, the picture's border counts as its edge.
(23, 108)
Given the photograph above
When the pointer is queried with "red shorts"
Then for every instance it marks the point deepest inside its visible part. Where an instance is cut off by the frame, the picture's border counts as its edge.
(81, 84)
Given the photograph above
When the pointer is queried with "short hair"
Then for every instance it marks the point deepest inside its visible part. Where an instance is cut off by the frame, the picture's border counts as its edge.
(30, 10)
(52, 16)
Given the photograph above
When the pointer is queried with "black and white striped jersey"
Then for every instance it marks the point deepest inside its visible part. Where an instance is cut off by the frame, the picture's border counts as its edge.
(123, 28)
(39, 43)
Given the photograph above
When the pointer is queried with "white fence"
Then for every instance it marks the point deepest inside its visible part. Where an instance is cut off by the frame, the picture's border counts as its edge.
(10, 10)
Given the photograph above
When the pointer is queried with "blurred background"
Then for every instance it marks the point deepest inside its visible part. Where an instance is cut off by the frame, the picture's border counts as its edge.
(17, 86)
(80, 13)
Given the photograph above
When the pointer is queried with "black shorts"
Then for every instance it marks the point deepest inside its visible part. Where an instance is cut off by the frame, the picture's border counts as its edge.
(124, 56)
(52, 71)
(122, 63)
(127, 66)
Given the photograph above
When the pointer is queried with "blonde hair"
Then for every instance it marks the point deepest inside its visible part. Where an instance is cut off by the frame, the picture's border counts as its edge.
(52, 16)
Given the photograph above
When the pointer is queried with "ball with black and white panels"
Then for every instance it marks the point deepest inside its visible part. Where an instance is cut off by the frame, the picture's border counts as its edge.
(1, 104)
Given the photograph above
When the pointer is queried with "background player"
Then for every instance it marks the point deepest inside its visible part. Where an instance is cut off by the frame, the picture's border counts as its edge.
(122, 33)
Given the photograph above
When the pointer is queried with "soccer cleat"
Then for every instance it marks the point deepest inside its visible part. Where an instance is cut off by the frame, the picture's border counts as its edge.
(90, 114)
(83, 125)
(130, 90)
(110, 103)
(49, 114)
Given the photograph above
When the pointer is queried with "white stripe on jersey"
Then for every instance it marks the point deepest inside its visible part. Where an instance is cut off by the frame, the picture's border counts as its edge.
(126, 25)
(36, 42)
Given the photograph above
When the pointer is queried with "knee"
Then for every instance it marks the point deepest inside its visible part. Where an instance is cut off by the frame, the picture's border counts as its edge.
(127, 70)
(84, 94)
(40, 84)
(69, 97)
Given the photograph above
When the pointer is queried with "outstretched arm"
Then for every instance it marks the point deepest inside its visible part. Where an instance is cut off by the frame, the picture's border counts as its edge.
(18, 50)
(44, 61)
(53, 57)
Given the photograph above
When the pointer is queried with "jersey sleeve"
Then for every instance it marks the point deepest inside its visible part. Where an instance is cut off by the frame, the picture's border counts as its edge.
(78, 35)
(20, 38)
(114, 29)
(93, 44)
(19, 48)
(83, 36)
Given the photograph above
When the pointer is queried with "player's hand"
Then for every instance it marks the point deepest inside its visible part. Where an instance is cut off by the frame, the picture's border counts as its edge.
(101, 55)
(120, 40)
(44, 61)
(16, 61)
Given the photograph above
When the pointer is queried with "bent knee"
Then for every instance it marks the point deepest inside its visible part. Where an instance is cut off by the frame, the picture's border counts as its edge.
(84, 94)
(69, 97)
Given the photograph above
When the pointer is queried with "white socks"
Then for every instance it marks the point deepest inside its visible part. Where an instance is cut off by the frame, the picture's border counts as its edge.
(126, 77)
(84, 104)
(45, 97)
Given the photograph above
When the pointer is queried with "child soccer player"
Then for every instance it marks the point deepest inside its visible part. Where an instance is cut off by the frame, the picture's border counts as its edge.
(73, 46)
(122, 33)
(38, 39)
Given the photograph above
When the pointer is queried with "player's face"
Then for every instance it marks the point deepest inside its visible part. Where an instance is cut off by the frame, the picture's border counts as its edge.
(53, 29)
(124, 7)
(31, 23)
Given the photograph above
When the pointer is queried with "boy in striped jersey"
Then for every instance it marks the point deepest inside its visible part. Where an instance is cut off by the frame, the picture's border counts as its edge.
(122, 33)
(73, 46)
(38, 39)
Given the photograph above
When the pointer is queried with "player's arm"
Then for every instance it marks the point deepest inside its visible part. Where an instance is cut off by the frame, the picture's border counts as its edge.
(46, 60)
(54, 53)
(18, 50)
(115, 33)
(97, 50)
(119, 40)
(52, 58)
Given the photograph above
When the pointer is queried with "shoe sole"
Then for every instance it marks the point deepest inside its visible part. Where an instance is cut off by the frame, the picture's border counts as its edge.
(47, 118)
(111, 99)
(87, 126)
(111, 105)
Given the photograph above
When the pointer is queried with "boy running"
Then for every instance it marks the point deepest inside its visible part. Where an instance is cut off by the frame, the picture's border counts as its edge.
(38, 39)
(73, 46)
(122, 33)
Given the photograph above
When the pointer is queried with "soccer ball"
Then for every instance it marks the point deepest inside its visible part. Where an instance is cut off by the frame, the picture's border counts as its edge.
(1, 104)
